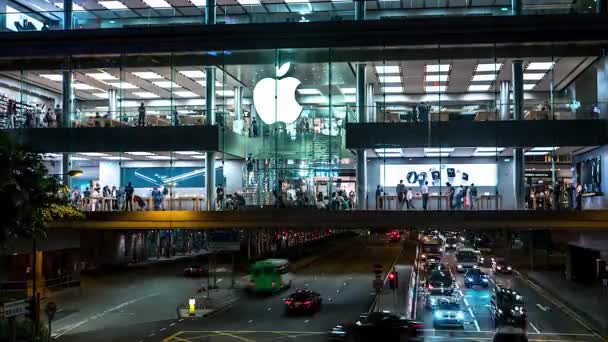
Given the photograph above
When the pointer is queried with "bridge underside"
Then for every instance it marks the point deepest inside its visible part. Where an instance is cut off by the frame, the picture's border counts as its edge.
(300, 219)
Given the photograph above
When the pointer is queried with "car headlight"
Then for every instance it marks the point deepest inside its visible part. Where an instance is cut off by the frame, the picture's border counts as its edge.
(423, 256)
(469, 279)
(485, 280)
(475, 266)
(509, 268)
(437, 314)
(498, 268)
(460, 315)
(499, 311)
(459, 266)
(482, 259)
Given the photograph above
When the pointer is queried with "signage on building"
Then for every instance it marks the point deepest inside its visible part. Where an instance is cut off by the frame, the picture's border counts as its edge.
(14, 308)
(539, 174)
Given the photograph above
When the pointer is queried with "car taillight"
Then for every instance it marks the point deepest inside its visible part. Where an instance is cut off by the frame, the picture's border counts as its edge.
(430, 287)
(308, 302)
(274, 284)
(251, 283)
(288, 301)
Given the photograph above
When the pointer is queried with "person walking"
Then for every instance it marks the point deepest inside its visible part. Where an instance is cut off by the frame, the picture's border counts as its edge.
(156, 197)
(473, 191)
(129, 197)
(401, 194)
(424, 189)
(254, 127)
(409, 198)
(142, 115)
(379, 191)
(579, 196)
(450, 194)
(219, 193)
(557, 193)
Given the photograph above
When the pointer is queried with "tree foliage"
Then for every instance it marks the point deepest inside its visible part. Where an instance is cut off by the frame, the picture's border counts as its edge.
(29, 197)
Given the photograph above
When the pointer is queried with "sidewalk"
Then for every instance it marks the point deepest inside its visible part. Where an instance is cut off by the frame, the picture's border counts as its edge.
(590, 302)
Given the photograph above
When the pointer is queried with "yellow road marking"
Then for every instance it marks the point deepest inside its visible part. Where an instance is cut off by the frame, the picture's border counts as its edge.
(175, 338)
(234, 336)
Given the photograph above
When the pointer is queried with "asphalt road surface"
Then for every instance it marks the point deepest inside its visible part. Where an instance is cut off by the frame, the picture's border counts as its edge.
(546, 321)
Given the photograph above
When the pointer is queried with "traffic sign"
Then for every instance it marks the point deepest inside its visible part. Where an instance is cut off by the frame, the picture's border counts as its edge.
(14, 308)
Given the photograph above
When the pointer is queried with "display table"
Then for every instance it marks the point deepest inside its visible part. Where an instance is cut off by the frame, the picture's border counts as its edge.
(192, 120)
(537, 115)
(156, 120)
(485, 201)
(101, 122)
(391, 202)
(442, 116)
(485, 116)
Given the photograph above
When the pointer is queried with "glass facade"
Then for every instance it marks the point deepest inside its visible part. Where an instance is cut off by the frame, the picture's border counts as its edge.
(40, 15)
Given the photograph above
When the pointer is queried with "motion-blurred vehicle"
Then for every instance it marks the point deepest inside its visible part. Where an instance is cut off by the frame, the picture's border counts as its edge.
(466, 258)
(440, 282)
(195, 271)
(507, 308)
(394, 236)
(510, 334)
(434, 266)
(448, 313)
(500, 265)
(475, 277)
(430, 248)
(379, 326)
(486, 260)
(269, 276)
(303, 302)
(451, 243)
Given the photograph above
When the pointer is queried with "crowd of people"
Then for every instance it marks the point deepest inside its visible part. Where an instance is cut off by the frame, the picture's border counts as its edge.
(461, 197)
(106, 198)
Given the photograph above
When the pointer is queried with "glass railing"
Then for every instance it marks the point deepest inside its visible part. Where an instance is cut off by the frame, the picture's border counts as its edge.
(248, 12)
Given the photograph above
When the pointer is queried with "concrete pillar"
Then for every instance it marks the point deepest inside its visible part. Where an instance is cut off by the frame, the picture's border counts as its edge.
(518, 89)
(210, 12)
(602, 87)
(518, 178)
(515, 7)
(210, 158)
(238, 103)
(67, 15)
(113, 102)
(66, 166)
(67, 99)
(518, 157)
(371, 103)
(505, 104)
(361, 153)
(360, 9)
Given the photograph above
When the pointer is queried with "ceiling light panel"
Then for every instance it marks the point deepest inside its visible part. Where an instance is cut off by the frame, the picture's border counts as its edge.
(548, 149)
(248, 2)
(225, 93)
(348, 91)
(193, 73)
(101, 95)
(75, 7)
(309, 91)
(146, 95)
(489, 149)
(52, 77)
(540, 66)
(148, 75)
(389, 79)
(435, 89)
(436, 78)
(484, 78)
(166, 84)
(536, 153)
(529, 86)
(533, 76)
(199, 3)
(488, 67)
(112, 5)
(94, 154)
(484, 154)
(440, 68)
(437, 154)
(116, 158)
(159, 157)
(157, 3)
(185, 94)
(480, 87)
(102, 76)
(387, 150)
(384, 155)
(188, 153)
(392, 89)
(438, 149)
(141, 153)
(123, 85)
(387, 69)
(83, 86)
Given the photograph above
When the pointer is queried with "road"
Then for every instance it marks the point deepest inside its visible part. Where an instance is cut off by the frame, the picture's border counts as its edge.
(546, 321)
(141, 305)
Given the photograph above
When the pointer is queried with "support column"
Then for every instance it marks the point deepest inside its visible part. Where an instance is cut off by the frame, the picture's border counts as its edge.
(113, 102)
(361, 153)
(3, 17)
(518, 157)
(505, 100)
(238, 103)
(210, 12)
(601, 88)
(66, 121)
(210, 158)
(360, 9)
(66, 166)
(67, 15)
(515, 7)
(601, 6)
(371, 103)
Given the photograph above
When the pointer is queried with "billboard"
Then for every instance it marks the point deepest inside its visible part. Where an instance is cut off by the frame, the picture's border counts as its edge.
(438, 174)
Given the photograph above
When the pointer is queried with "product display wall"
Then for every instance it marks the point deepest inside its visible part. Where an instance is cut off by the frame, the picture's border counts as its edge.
(438, 174)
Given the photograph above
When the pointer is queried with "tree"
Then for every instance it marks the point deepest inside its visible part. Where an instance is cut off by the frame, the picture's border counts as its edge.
(29, 197)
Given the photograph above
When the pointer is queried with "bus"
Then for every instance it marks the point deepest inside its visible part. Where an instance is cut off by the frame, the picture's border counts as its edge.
(467, 258)
(269, 276)
(430, 249)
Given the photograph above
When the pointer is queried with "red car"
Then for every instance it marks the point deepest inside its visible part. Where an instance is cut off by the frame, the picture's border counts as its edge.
(195, 271)
(303, 301)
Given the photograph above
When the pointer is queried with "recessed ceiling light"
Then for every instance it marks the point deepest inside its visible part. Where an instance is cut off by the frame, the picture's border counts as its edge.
(101, 95)
(75, 7)
(437, 154)
(387, 69)
(83, 86)
(484, 78)
(193, 73)
(225, 93)
(438, 149)
(249, 2)
(540, 66)
(387, 150)
(437, 68)
(480, 87)
(76, 158)
(116, 158)
(187, 153)
(348, 91)
(166, 84)
(199, 3)
(533, 77)
(544, 149)
(198, 157)
(309, 91)
(101, 76)
(94, 154)
(159, 157)
(488, 67)
(436, 78)
(384, 155)
(185, 94)
(536, 153)
(123, 85)
(389, 79)
(148, 75)
(489, 149)
(435, 89)
(157, 3)
(112, 5)
(146, 95)
(52, 77)
(392, 89)
(141, 153)
(484, 154)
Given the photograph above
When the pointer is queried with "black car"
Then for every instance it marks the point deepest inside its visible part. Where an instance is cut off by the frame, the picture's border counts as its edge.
(500, 265)
(507, 308)
(195, 271)
(475, 277)
(440, 282)
(379, 326)
(510, 334)
(303, 301)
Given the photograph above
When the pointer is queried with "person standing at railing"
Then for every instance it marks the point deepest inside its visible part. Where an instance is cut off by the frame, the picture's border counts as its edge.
(129, 197)
(142, 115)
(424, 190)
(58, 115)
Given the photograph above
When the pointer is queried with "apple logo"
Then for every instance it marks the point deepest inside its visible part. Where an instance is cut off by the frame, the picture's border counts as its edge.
(275, 98)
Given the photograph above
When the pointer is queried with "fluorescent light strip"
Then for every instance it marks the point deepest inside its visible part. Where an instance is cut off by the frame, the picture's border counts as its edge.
(145, 95)
(141, 153)
(436, 78)
(187, 153)
(199, 3)
(123, 85)
(484, 78)
(435, 89)
(193, 73)
(536, 153)
(166, 84)
(489, 149)
(547, 149)
(52, 77)
(101, 76)
(387, 69)
(94, 154)
(185, 94)
(116, 158)
(437, 154)
(248, 2)
(484, 154)
(348, 91)
(101, 95)
(389, 79)
(83, 86)
(494, 67)
(540, 66)
(387, 150)
(159, 157)
(75, 7)
(148, 75)
(384, 155)
(225, 93)
(309, 91)
(392, 89)
(157, 3)
(112, 5)
(480, 87)
(440, 68)
(533, 76)
(529, 86)
(438, 149)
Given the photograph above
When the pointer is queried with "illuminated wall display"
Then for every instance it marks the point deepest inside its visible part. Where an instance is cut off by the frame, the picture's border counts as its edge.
(275, 98)
(457, 174)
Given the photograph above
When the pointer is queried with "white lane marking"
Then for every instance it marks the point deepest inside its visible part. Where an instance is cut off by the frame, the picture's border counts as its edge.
(465, 302)
(534, 327)
(474, 319)
(172, 324)
(219, 280)
(152, 335)
(181, 319)
(163, 329)
(544, 308)
(268, 309)
(306, 321)
(250, 321)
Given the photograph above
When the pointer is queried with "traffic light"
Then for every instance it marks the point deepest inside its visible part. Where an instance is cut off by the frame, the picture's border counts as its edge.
(392, 280)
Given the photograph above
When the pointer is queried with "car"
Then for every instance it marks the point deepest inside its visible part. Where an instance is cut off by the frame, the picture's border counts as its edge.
(381, 326)
(434, 266)
(303, 302)
(451, 243)
(486, 260)
(195, 271)
(510, 334)
(475, 277)
(440, 282)
(507, 308)
(500, 265)
(448, 313)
